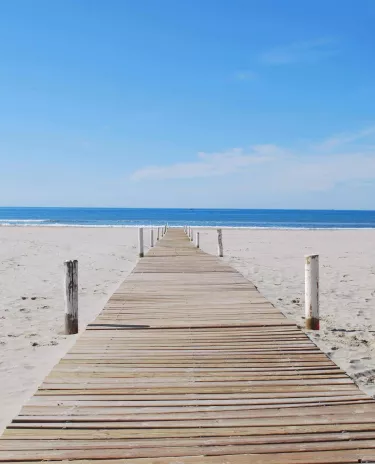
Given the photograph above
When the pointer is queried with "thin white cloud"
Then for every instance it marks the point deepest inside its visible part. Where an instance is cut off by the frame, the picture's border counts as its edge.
(245, 75)
(211, 164)
(323, 172)
(346, 138)
(301, 52)
(269, 168)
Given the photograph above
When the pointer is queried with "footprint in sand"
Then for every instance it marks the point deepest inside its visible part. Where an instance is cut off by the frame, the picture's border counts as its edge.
(354, 361)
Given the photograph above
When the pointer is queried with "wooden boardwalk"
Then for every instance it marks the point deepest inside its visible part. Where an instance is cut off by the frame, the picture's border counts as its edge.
(189, 364)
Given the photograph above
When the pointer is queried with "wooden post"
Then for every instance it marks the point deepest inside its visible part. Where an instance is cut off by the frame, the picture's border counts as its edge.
(220, 242)
(158, 234)
(71, 297)
(140, 242)
(152, 237)
(197, 243)
(312, 292)
(191, 235)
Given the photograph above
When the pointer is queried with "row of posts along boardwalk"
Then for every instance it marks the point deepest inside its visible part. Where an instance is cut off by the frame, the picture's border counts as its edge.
(188, 363)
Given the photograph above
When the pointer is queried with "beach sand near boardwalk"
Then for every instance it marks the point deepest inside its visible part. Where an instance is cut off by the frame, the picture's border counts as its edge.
(32, 300)
(274, 261)
(32, 305)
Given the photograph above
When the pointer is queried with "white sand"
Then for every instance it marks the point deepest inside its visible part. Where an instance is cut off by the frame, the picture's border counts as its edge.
(31, 266)
(274, 261)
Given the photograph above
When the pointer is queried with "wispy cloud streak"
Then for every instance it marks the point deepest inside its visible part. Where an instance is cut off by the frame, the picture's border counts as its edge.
(301, 52)
(346, 138)
(211, 164)
(266, 168)
(245, 75)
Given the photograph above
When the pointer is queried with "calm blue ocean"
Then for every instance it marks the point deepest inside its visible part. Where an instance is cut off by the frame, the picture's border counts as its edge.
(122, 217)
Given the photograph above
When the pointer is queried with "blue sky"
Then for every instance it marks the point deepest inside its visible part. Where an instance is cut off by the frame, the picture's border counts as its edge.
(199, 103)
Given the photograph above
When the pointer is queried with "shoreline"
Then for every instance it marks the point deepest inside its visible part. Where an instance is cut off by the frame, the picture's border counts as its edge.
(155, 226)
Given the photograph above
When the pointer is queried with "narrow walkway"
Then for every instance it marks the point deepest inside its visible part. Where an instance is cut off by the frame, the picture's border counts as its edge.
(189, 364)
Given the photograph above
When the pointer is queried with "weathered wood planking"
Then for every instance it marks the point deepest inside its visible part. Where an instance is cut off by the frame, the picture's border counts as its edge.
(188, 363)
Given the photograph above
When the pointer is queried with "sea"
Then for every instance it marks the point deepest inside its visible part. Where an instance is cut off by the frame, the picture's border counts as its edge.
(235, 218)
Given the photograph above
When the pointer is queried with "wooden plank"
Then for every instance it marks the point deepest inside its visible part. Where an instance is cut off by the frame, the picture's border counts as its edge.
(175, 451)
(14, 445)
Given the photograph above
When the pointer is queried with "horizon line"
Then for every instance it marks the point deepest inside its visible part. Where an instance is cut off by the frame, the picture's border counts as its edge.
(187, 208)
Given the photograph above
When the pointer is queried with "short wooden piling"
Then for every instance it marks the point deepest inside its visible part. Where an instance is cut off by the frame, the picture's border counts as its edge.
(71, 297)
(220, 242)
(312, 292)
(140, 242)
(152, 238)
(197, 239)
(158, 237)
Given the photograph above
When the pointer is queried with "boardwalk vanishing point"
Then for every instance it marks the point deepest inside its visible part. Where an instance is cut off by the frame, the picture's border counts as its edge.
(188, 363)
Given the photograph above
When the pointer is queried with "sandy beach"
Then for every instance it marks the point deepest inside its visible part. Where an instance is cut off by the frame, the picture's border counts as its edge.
(32, 301)
(32, 306)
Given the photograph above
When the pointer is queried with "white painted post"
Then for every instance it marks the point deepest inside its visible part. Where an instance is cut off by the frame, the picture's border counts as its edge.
(71, 297)
(220, 242)
(152, 237)
(312, 292)
(158, 237)
(191, 235)
(197, 242)
(140, 242)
